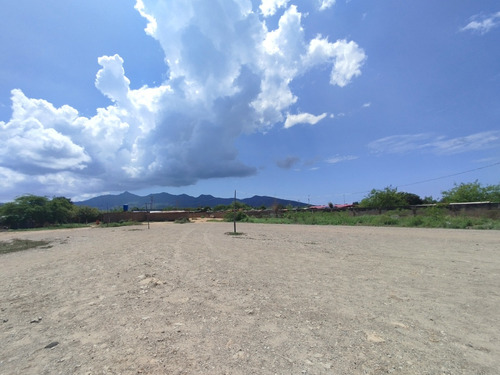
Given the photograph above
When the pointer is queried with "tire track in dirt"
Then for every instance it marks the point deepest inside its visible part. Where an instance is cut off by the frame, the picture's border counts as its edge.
(188, 299)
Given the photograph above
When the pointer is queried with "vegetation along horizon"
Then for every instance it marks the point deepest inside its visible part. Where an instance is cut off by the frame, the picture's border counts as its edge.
(31, 211)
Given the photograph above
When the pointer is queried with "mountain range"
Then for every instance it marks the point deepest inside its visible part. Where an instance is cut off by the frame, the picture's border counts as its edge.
(163, 200)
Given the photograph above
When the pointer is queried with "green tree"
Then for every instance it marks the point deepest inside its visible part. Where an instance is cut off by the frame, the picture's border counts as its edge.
(492, 193)
(429, 200)
(234, 205)
(30, 211)
(410, 198)
(239, 206)
(240, 216)
(386, 198)
(471, 192)
(86, 214)
(10, 215)
(26, 211)
(61, 210)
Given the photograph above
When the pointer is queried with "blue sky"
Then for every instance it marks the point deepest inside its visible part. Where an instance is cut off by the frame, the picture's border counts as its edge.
(318, 101)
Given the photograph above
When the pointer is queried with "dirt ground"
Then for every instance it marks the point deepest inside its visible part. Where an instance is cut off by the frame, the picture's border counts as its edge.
(280, 299)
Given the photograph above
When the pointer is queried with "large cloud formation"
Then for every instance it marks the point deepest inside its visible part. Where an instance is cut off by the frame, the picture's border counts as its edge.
(228, 75)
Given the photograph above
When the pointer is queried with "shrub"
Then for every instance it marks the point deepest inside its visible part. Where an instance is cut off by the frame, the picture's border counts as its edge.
(386, 198)
(471, 192)
(240, 216)
(415, 221)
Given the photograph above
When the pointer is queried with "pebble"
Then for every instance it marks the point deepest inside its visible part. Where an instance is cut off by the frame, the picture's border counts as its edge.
(240, 354)
(51, 345)
(372, 337)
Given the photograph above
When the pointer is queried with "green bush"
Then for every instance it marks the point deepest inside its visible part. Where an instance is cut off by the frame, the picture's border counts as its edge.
(432, 217)
(471, 192)
(415, 221)
(388, 219)
(240, 216)
(386, 198)
(31, 211)
(86, 214)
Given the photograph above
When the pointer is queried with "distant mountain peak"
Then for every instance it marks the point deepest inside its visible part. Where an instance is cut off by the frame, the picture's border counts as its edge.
(164, 200)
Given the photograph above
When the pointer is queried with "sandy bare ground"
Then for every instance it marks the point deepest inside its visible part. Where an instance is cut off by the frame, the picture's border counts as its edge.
(282, 299)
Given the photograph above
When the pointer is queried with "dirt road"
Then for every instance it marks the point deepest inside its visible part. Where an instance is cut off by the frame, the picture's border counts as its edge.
(281, 299)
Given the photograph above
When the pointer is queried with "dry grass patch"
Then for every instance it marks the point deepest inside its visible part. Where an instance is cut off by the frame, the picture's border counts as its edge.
(20, 245)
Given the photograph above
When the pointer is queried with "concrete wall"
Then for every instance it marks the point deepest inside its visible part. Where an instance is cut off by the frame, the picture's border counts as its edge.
(112, 217)
(490, 210)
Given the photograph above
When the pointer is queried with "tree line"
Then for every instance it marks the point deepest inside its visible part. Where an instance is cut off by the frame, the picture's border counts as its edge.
(32, 211)
(390, 197)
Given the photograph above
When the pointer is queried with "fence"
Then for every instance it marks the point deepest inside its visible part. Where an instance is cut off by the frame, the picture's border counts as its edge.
(478, 209)
(112, 217)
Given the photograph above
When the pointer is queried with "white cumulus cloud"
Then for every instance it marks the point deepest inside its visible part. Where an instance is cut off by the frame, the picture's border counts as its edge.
(303, 118)
(326, 4)
(347, 58)
(228, 75)
(28, 146)
(111, 80)
(269, 7)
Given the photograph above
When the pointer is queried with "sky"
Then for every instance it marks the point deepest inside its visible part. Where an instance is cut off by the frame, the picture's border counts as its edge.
(316, 101)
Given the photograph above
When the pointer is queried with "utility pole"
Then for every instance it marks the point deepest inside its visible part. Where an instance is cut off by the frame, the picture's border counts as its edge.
(234, 212)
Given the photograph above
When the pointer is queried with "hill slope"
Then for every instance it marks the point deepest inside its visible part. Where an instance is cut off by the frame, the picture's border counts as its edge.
(164, 200)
